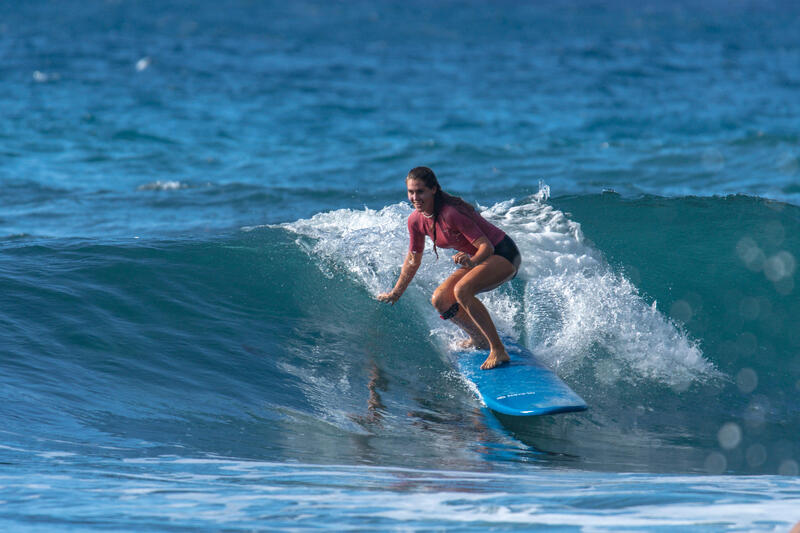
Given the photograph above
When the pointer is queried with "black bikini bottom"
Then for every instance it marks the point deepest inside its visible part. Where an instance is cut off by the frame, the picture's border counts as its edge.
(506, 248)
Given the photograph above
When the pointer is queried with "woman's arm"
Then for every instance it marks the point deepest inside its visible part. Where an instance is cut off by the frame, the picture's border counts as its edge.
(485, 249)
(409, 270)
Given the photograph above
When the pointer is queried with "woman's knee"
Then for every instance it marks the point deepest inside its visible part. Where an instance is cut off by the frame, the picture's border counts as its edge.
(463, 293)
(441, 300)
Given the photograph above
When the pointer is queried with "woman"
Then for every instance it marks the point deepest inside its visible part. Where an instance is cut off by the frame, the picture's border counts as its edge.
(487, 257)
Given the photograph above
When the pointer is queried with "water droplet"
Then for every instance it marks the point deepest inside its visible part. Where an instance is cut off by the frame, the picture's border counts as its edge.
(774, 232)
(729, 436)
(789, 467)
(751, 255)
(756, 412)
(747, 380)
(779, 266)
(716, 463)
(682, 311)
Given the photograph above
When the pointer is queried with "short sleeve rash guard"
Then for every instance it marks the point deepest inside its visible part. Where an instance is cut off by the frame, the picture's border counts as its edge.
(454, 229)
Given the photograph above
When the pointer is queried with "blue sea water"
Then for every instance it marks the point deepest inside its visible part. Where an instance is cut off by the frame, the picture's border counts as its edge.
(199, 202)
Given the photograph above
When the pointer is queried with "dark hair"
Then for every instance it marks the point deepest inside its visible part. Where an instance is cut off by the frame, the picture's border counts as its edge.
(440, 198)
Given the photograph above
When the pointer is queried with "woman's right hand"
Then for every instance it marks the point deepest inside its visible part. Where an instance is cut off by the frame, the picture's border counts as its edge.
(389, 297)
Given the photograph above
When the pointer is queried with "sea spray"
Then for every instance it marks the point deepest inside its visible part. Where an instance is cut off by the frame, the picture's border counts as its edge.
(567, 303)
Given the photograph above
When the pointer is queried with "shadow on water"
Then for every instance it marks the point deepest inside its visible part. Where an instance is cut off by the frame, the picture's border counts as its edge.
(601, 443)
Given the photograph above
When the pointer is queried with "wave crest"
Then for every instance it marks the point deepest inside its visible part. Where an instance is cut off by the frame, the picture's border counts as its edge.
(567, 304)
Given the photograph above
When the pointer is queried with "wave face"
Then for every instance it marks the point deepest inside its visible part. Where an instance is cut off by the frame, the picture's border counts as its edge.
(682, 337)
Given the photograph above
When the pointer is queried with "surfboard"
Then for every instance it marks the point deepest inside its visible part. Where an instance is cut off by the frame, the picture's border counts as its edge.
(522, 387)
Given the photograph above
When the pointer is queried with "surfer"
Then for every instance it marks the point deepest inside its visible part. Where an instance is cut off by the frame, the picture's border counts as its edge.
(486, 255)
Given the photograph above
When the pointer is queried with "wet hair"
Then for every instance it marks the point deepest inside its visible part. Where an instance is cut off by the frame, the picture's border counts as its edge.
(440, 198)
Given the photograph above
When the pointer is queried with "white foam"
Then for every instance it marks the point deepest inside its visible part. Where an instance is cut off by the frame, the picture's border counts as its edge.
(143, 63)
(171, 185)
(572, 308)
(576, 303)
(43, 77)
(232, 491)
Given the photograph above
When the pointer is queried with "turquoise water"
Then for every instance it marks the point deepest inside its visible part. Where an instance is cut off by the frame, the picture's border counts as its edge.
(200, 203)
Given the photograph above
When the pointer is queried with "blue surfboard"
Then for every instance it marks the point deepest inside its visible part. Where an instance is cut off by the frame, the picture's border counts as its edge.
(522, 387)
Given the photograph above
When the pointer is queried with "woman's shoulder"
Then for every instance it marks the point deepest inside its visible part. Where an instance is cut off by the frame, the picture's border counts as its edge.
(415, 219)
(415, 216)
(451, 213)
(448, 211)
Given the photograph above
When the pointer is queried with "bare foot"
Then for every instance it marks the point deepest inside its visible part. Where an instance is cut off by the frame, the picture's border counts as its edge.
(495, 359)
(470, 344)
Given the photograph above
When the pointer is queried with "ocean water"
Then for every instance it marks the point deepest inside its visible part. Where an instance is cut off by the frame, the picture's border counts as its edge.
(199, 202)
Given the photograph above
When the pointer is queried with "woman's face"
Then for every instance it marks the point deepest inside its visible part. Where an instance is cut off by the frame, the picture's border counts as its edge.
(420, 196)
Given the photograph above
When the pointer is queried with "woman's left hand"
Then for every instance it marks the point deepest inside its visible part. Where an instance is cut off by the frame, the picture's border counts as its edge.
(463, 259)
